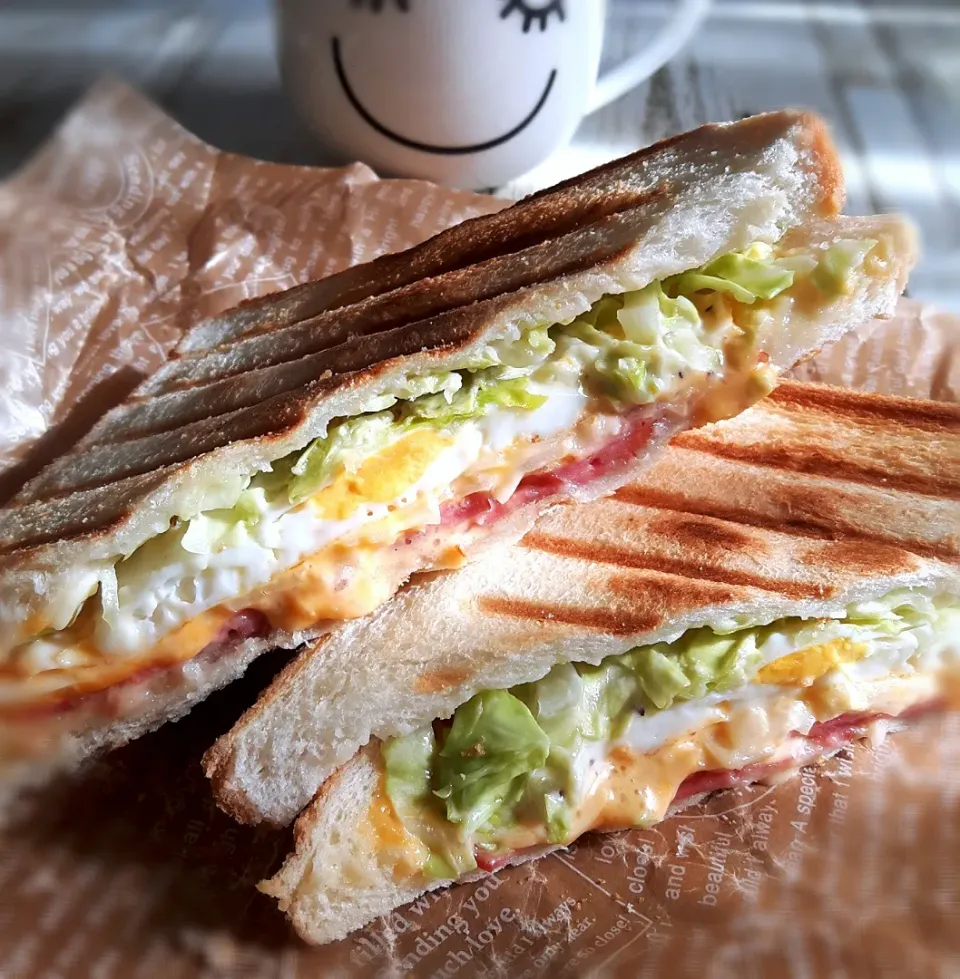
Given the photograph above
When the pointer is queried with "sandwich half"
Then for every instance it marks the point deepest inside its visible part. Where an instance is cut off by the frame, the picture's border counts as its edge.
(778, 585)
(300, 457)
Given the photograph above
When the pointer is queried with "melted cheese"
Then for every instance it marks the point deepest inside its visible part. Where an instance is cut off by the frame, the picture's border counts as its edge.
(634, 789)
(397, 491)
(92, 673)
(341, 582)
(338, 583)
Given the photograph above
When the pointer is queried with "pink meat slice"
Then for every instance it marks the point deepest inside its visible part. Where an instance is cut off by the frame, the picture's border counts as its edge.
(823, 739)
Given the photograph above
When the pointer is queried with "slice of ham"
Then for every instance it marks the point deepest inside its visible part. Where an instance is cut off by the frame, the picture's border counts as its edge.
(481, 509)
(491, 863)
(822, 740)
(245, 624)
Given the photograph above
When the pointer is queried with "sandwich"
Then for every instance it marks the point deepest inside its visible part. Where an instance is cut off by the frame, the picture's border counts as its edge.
(298, 458)
(775, 587)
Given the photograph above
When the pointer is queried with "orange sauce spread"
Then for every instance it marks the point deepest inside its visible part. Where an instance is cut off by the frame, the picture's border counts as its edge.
(394, 844)
(81, 680)
(346, 579)
(639, 788)
(339, 582)
(633, 789)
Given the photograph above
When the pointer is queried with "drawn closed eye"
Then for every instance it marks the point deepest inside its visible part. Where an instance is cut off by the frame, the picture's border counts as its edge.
(531, 13)
(377, 5)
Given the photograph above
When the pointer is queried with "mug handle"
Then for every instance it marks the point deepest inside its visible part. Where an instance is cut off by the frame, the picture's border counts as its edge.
(678, 30)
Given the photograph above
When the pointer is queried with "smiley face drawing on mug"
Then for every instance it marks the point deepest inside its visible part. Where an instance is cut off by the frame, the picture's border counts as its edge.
(469, 93)
(530, 15)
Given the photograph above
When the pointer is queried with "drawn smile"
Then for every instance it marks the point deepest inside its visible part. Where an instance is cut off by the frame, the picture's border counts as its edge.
(431, 147)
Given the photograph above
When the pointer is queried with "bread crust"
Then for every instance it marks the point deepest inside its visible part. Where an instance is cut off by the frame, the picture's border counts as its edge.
(548, 213)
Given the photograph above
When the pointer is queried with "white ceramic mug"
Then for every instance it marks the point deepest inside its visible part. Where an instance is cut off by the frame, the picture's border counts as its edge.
(468, 93)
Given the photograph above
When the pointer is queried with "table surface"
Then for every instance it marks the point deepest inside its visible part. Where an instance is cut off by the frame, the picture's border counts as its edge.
(886, 75)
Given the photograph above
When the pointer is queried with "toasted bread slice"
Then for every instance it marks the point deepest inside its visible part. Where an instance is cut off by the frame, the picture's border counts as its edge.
(254, 384)
(70, 723)
(815, 498)
(29, 581)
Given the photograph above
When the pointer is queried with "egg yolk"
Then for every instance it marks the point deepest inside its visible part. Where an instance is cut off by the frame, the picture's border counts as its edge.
(383, 477)
(807, 665)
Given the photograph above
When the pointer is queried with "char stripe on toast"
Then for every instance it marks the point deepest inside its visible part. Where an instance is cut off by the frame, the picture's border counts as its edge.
(891, 413)
(696, 533)
(702, 535)
(797, 499)
(868, 460)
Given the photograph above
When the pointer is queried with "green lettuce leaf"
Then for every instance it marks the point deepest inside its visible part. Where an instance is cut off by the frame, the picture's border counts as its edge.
(631, 347)
(526, 352)
(698, 663)
(480, 395)
(746, 276)
(513, 755)
(492, 745)
(214, 530)
(662, 677)
(558, 817)
(350, 442)
(407, 764)
(408, 760)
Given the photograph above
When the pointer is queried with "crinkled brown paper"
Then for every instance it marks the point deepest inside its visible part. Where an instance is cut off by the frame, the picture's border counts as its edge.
(123, 231)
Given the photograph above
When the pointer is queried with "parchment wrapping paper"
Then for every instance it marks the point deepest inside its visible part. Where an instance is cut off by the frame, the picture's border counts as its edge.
(123, 231)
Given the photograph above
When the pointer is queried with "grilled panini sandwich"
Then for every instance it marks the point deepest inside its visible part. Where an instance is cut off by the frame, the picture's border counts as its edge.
(776, 586)
(299, 458)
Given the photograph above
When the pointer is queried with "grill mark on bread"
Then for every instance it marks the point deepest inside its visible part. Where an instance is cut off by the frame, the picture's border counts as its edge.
(618, 622)
(582, 248)
(282, 415)
(829, 528)
(712, 533)
(32, 526)
(859, 557)
(321, 374)
(598, 193)
(817, 461)
(669, 594)
(700, 569)
(908, 412)
(712, 157)
(212, 396)
(435, 681)
(241, 397)
(526, 224)
(270, 419)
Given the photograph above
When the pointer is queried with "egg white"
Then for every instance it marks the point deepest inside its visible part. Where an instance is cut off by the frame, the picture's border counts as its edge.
(158, 595)
(924, 650)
